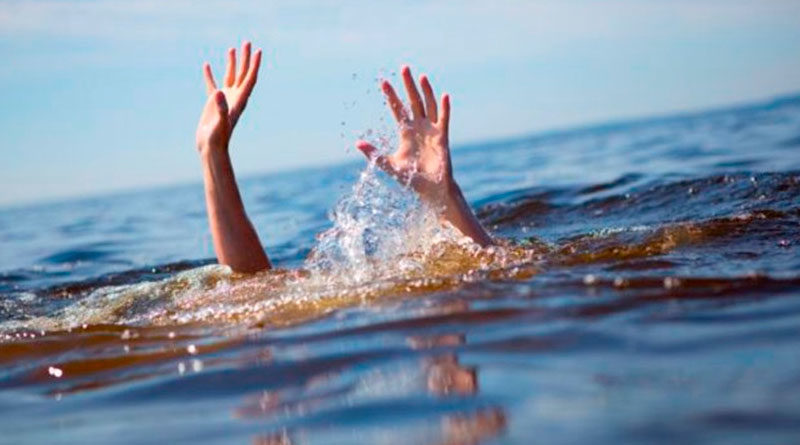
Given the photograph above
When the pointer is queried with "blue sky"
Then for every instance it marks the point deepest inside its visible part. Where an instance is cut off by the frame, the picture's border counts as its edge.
(100, 96)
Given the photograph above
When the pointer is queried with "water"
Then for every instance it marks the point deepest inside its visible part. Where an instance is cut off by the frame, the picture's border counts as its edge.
(648, 291)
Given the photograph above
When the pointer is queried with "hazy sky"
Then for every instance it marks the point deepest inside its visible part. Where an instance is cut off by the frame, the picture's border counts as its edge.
(104, 95)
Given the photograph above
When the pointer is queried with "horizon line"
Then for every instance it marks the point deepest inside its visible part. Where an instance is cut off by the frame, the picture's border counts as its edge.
(608, 125)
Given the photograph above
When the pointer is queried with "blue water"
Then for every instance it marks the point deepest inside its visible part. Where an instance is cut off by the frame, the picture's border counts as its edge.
(649, 292)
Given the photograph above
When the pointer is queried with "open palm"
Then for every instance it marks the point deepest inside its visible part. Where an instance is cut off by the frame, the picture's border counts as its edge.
(225, 105)
(422, 159)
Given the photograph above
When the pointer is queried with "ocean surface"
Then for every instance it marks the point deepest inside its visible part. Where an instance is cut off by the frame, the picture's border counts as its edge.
(646, 290)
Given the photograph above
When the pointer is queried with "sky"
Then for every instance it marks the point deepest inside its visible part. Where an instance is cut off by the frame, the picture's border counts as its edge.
(100, 96)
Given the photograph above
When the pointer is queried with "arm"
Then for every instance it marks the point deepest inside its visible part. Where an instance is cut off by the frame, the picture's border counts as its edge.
(422, 160)
(235, 240)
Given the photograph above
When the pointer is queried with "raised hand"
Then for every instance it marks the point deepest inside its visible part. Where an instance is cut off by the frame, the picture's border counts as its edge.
(422, 158)
(214, 129)
(230, 100)
(236, 242)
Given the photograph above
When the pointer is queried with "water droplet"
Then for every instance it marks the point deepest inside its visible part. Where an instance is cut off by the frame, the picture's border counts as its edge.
(181, 368)
(589, 279)
(197, 365)
(191, 349)
(55, 372)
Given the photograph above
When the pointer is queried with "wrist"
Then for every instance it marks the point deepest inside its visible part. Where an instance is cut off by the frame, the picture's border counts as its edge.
(456, 211)
(453, 198)
(211, 153)
(452, 206)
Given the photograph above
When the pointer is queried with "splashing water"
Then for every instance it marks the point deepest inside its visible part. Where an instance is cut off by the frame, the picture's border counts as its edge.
(382, 239)
(375, 228)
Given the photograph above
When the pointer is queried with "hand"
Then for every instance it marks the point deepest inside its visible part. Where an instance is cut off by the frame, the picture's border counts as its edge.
(214, 131)
(235, 239)
(422, 159)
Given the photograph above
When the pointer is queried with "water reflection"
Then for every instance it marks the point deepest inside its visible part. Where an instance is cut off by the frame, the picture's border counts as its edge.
(436, 372)
(447, 377)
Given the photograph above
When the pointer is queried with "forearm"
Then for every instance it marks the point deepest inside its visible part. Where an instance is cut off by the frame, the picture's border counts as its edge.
(236, 242)
(457, 212)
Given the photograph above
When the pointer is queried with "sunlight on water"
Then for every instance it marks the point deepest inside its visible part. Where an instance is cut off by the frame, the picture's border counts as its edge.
(383, 240)
(383, 243)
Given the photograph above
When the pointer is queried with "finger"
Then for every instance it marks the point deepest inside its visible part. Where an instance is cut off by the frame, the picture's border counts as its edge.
(222, 104)
(211, 86)
(368, 149)
(430, 99)
(395, 104)
(372, 155)
(231, 68)
(413, 95)
(444, 120)
(252, 74)
(245, 66)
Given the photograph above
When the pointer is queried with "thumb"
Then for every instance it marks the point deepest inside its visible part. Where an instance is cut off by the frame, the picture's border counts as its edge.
(383, 162)
(222, 104)
(368, 149)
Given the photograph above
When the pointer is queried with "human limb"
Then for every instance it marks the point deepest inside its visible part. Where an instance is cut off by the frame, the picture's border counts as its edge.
(236, 242)
(422, 159)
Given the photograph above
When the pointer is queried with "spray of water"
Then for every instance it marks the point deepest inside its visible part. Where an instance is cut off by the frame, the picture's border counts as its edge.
(375, 228)
(383, 242)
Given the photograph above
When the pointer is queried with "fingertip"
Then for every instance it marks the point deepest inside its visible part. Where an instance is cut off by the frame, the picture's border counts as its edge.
(366, 148)
(219, 98)
(423, 78)
(386, 86)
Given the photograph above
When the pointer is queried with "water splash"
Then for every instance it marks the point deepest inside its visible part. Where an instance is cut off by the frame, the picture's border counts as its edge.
(375, 229)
